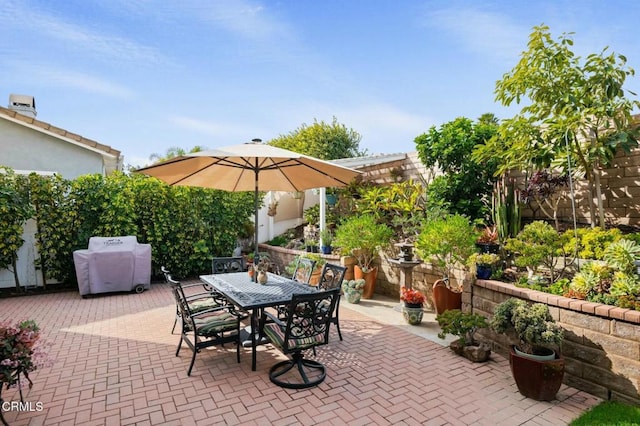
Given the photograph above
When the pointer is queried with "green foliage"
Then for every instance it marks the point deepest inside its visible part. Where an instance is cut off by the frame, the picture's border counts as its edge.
(326, 235)
(588, 281)
(400, 206)
(466, 184)
(279, 240)
(621, 255)
(505, 208)
(483, 259)
(312, 214)
(590, 242)
(538, 244)
(572, 107)
(15, 209)
(533, 324)
(362, 237)
(461, 324)
(185, 226)
(447, 242)
(609, 413)
(57, 219)
(322, 140)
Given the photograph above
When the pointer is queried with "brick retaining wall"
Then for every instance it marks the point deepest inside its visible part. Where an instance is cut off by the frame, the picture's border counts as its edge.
(601, 346)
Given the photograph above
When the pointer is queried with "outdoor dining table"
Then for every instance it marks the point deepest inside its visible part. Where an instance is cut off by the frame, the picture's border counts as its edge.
(242, 291)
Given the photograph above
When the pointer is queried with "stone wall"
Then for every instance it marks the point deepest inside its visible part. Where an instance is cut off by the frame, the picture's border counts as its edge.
(601, 346)
(620, 185)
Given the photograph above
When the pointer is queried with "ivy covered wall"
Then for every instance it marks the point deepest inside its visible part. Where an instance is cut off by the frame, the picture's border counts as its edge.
(185, 226)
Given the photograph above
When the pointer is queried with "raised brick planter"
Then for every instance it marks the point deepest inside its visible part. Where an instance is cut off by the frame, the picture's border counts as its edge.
(601, 346)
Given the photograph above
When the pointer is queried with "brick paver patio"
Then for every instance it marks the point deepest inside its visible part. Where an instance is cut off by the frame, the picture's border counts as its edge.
(115, 365)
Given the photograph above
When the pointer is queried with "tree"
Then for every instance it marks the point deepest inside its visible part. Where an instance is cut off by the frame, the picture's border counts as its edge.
(575, 108)
(322, 140)
(466, 185)
(173, 152)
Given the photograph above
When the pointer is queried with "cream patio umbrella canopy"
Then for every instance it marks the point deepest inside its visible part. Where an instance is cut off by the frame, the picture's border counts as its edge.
(251, 167)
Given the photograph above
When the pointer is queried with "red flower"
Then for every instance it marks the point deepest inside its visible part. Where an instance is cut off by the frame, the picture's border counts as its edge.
(411, 296)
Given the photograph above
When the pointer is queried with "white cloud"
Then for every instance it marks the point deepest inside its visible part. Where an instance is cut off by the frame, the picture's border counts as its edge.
(491, 34)
(84, 82)
(100, 46)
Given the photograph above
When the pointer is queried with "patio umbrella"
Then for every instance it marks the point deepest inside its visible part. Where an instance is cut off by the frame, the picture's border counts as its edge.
(251, 167)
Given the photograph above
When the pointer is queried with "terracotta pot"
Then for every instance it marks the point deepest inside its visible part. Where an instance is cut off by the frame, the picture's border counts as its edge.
(444, 298)
(369, 280)
(539, 380)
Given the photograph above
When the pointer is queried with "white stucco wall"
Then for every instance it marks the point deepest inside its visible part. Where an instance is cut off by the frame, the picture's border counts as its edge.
(26, 149)
(22, 148)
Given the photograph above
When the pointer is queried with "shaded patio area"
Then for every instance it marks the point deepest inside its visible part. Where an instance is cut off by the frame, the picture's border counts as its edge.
(115, 365)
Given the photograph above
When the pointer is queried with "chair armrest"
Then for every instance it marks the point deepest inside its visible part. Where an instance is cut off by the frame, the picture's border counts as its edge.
(208, 311)
(272, 318)
(196, 296)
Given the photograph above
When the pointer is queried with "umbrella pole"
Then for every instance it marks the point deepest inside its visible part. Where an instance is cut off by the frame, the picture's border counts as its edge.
(256, 256)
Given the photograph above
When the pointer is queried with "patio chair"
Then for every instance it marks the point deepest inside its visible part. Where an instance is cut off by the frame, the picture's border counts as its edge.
(223, 265)
(303, 270)
(197, 301)
(305, 328)
(331, 277)
(214, 326)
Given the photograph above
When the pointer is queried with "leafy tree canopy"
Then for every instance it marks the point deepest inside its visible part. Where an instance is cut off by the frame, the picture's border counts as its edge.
(322, 140)
(572, 107)
(466, 184)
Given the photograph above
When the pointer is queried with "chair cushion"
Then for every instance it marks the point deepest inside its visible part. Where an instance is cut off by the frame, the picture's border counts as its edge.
(202, 305)
(215, 322)
(276, 334)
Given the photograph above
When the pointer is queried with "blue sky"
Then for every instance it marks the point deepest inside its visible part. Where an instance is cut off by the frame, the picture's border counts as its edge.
(146, 75)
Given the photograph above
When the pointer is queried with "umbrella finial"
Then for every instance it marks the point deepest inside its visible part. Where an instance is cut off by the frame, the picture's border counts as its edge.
(256, 140)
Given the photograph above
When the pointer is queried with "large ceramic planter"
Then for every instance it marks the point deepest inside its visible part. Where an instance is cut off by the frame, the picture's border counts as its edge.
(369, 278)
(412, 313)
(539, 380)
(444, 298)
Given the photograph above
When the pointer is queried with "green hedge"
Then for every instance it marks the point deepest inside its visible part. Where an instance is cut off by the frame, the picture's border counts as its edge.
(185, 226)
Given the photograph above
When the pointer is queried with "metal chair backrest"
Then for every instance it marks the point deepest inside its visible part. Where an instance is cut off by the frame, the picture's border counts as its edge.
(308, 324)
(303, 270)
(181, 303)
(223, 265)
(331, 276)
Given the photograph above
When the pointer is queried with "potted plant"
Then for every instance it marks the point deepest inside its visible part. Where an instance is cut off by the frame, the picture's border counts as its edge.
(352, 290)
(539, 244)
(326, 236)
(488, 241)
(464, 325)
(21, 352)
(447, 242)
(311, 245)
(331, 196)
(483, 264)
(536, 363)
(362, 237)
(412, 303)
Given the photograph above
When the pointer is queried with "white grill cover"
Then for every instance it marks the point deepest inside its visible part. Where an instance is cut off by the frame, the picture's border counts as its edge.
(113, 264)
